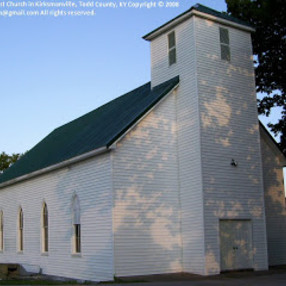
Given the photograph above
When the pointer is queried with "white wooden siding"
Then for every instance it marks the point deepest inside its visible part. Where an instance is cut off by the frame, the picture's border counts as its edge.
(91, 181)
(189, 153)
(146, 202)
(229, 130)
(273, 162)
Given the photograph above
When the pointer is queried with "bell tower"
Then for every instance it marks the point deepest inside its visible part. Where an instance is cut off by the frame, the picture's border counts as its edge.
(220, 169)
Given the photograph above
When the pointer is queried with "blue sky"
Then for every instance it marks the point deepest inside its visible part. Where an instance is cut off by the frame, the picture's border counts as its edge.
(54, 70)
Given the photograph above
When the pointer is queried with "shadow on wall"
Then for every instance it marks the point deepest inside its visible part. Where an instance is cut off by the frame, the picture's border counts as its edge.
(274, 202)
(146, 202)
(145, 171)
(232, 191)
(146, 213)
(229, 131)
(91, 182)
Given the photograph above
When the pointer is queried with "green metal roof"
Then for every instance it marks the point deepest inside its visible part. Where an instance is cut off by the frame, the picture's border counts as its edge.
(96, 129)
(206, 10)
(222, 15)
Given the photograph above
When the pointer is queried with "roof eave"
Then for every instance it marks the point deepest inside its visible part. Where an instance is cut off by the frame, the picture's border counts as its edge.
(188, 14)
(60, 165)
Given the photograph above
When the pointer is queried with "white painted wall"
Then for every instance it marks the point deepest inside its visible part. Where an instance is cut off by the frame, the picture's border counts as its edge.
(91, 181)
(146, 202)
(273, 162)
(229, 130)
(189, 153)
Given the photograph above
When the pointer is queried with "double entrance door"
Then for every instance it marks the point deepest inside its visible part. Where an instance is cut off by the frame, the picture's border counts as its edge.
(236, 244)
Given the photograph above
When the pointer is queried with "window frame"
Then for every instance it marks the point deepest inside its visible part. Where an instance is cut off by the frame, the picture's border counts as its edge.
(172, 48)
(76, 227)
(20, 230)
(1, 231)
(224, 44)
(77, 238)
(45, 229)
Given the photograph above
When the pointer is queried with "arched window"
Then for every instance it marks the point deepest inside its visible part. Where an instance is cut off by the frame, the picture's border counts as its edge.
(20, 230)
(76, 225)
(1, 232)
(45, 228)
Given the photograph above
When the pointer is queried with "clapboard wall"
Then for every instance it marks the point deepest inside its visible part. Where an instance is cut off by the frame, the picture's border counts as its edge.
(90, 180)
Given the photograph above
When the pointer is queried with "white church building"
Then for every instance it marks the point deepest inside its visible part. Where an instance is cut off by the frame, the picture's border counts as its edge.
(177, 175)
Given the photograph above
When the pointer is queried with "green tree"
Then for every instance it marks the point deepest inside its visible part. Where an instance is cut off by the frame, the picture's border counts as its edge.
(269, 45)
(8, 160)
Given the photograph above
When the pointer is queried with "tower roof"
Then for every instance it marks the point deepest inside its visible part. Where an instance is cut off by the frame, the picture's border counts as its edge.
(203, 12)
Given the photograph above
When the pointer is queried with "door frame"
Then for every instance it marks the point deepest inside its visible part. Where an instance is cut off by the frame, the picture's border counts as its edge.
(251, 240)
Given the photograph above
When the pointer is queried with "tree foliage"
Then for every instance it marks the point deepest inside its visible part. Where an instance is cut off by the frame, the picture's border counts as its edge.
(8, 160)
(269, 45)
